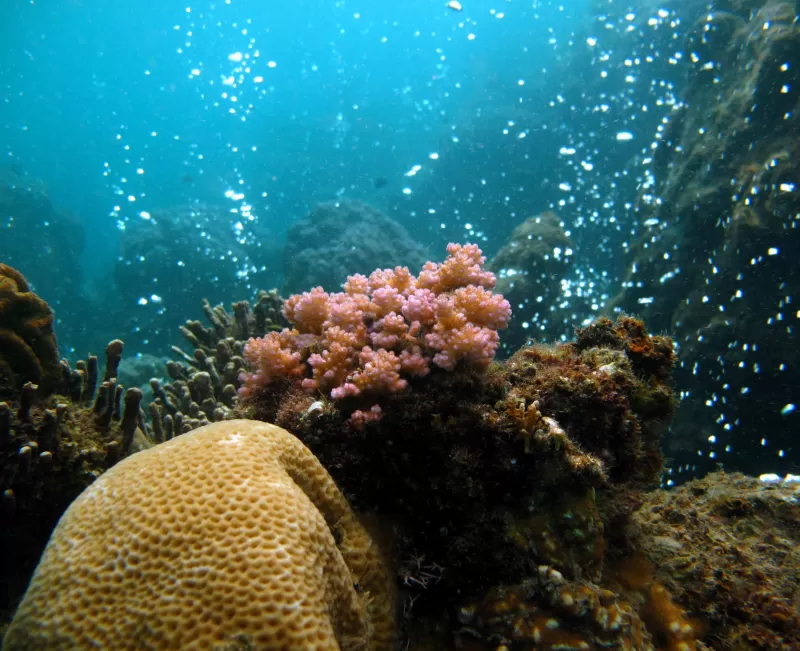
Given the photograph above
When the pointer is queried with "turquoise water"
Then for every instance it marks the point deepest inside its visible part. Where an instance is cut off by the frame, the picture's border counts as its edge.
(203, 132)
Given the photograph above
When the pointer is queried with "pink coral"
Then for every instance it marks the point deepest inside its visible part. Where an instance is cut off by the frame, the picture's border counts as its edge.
(356, 284)
(463, 267)
(413, 362)
(385, 328)
(359, 419)
(379, 373)
(347, 312)
(389, 331)
(399, 278)
(385, 300)
(421, 306)
(337, 360)
(482, 307)
(471, 343)
(308, 311)
(271, 356)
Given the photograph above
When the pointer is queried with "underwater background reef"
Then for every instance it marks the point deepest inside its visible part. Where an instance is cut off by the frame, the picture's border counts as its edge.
(476, 321)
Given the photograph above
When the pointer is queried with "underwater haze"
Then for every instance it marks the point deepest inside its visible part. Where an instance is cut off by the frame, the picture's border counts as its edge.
(412, 324)
(155, 155)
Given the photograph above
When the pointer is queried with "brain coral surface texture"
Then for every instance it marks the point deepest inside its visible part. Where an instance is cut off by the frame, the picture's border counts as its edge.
(230, 537)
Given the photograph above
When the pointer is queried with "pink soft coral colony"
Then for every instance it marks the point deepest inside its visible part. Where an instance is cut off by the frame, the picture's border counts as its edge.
(384, 329)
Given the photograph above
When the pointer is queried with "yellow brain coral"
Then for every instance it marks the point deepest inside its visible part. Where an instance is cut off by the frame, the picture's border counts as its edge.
(230, 537)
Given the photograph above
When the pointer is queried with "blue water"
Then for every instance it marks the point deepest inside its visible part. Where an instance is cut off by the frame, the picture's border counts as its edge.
(265, 111)
(457, 124)
(95, 92)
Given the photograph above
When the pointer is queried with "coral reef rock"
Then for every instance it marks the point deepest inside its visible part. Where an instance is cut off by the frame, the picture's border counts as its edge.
(728, 548)
(176, 255)
(344, 237)
(40, 238)
(715, 259)
(529, 269)
(481, 475)
(28, 350)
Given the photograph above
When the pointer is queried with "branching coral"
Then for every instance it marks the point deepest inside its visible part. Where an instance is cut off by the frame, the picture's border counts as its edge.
(204, 387)
(529, 420)
(382, 330)
(51, 448)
